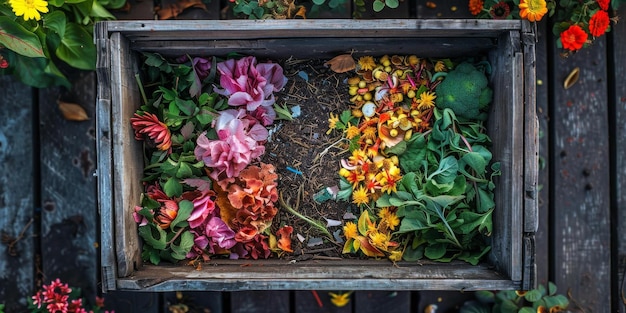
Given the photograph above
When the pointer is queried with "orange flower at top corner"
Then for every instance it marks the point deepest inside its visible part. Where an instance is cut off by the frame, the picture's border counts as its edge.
(532, 10)
(475, 6)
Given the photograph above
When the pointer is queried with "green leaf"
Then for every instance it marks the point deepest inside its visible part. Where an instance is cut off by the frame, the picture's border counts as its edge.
(77, 48)
(533, 295)
(100, 12)
(447, 171)
(552, 288)
(184, 171)
(56, 22)
(475, 307)
(154, 236)
(16, 38)
(508, 306)
(485, 296)
(185, 207)
(527, 310)
(173, 188)
(486, 202)
(378, 5)
(472, 220)
(435, 251)
(392, 3)
(412, 254)
(186, 106)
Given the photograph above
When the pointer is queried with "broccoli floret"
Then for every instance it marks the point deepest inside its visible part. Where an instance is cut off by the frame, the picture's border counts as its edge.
(465, 90)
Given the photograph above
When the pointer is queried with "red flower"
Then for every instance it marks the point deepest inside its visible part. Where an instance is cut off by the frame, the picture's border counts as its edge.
(149, 125)
(604, 4)
(500, 10)
(573, 38)
(598, 23)
(3, 63)
(475, 6)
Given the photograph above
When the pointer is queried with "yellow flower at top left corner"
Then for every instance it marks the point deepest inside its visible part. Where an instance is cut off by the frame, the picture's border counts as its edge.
(29, 9)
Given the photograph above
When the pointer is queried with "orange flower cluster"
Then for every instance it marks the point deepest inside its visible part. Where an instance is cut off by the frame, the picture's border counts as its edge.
(373, 238)
(578, 24)
(393, 98)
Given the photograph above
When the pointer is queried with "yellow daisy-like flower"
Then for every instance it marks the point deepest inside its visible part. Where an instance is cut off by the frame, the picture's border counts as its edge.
(383, 213)
(369, 133)
(379, 240)
(367, 63)
(440, 66)
(29, 9)
(427, 100)
(352, 131)
(332, 122)
(350, 230)
(392, 221)
(360, 196)
(532, 10)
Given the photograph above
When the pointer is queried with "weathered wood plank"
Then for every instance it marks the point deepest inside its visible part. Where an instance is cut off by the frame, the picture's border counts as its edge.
(581, 206)
(17, 191)
(442, 301)
(317, 301)
(542, 235)
(260, 301)
(194, 301)
(133, 302)
(618, 57)
(69, 243)
(382, 301)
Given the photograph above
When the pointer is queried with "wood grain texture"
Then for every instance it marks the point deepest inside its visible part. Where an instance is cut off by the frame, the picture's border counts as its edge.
(133, 302)
(69, 237)
(194, 301)
(382, 301)
(618, 58)
(17, 213)
(259, 301)
(581, 206)
(543, 198)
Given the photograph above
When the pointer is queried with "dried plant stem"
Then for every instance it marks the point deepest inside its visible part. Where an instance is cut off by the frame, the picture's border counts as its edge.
(313, 223)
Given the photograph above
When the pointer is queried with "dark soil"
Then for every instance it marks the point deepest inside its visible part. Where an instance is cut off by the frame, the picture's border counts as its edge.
(303, 145)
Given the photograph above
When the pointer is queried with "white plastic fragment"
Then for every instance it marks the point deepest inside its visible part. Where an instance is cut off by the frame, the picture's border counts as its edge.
(315, 241)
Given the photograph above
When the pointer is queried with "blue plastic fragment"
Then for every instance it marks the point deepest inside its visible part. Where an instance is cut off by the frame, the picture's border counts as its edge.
(293, 170)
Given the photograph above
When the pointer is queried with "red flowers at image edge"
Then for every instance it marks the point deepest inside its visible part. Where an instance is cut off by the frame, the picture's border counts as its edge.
(604, 4)
(3, 63)
(599, 23)
(573, 38)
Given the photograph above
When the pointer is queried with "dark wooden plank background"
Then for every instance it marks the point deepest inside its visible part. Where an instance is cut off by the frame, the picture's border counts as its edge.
(48, 162)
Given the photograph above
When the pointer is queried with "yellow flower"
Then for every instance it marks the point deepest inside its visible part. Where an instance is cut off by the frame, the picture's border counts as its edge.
(383, 213)
(30, 9)
(395, 256)
(340, 299)
(392, 221)
(332, 122)
(440, 66)
(379, 240)
(360, 196)
(369, 133)
(427, 100)
(532, 10)
(367, 63)
(352, 131)
(350, 230)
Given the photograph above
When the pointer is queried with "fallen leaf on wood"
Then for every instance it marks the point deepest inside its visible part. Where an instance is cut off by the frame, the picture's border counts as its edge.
(169, 11)
(341, 63)
(72, 111)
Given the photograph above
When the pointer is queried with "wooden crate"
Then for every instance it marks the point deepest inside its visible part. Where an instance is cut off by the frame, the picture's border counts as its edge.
(509, 46)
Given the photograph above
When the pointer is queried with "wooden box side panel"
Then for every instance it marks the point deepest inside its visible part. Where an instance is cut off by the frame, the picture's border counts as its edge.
(505, 127)
(128, 165)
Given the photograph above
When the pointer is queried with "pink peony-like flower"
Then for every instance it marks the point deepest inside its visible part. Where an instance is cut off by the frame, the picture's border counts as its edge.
(239, 142)
(220, 233)
(203, 206)
(249, 84)
(264, 114)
